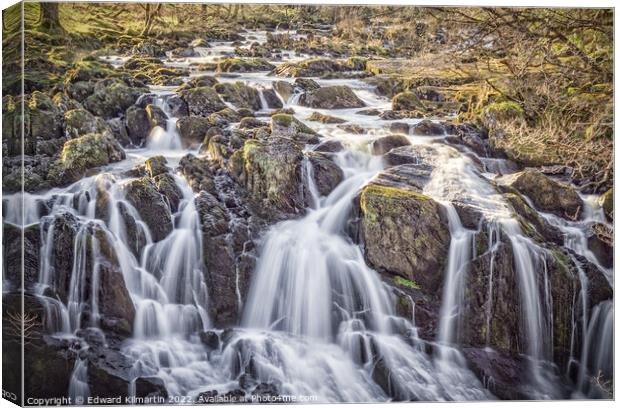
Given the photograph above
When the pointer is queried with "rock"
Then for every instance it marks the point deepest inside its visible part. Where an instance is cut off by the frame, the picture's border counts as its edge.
(606, 201)
(601, 243)
(138, 124)
(79, 122)
(193, 130)
(284, 89)
(118, 129)
(197, 172)
(12, 244)
(547, 195)
(352, 128)
(315, 67)
(319, 117)
(150, 387)
(210, 339)
(407, 101)
(384, 144)
(177, 106)
(288, 126)
(271, 173)
(156, 116)
(84, 153)
(142, 193)
(272, 99)
(251, 123)
(168, 187)
(327, 174)
(199, 81)
(330, 146)
(369, 112)
(331, 97)
(202, 101)
(399, 128)
(306, 84)
(542, 230)
(244, 65)
(428, 128)
(156, 165)
(240, 95)
(225, 117)
(112, 98)
(404, 233)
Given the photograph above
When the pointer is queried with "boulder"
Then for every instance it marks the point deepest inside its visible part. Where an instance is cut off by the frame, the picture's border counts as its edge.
(177, 106)
(79, 122)
(193, 130)
(428, 128)
(82, 154)
(167, 186)
(314, 67)
(244, 65)
(400, 128)
(227, 116)
(251, 123)
(272, 99)
(327, 174)
(306, 84)
(143, 194)
(12, 244)
(384, 144)
(330, 146)
(197, 172)
(198, 81)
(319, 117)
(284, 89)
(270, 170)
(405, 233)
(202, 101)
(111, 98)
(156, 165)
(138, 124)
(331, 97)
(157, 117)
(288, 126)
(547, 194)
(601, 243)
(240, 95)
(407, 101)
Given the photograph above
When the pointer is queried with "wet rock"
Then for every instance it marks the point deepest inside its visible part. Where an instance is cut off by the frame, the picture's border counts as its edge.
(404, 233)
(599, 289)
(111, 98)
(327, 174)
(199, 81)
(197, 172)
(193, 130)
(156, 116)
(428, 128)
(532, 223)
(400, 128)
(369, 112)
(119, 131)
(319, 117)
(226, 116)
(306, 84)
(331, 97)
(142, 193)
(547, 194)
(284, 89)
(352, 128)
(202, 101)
(272, 99)
(150, 387)
(210, 339)
(168, 187)
(288, 126)
(407, 101)
(601, 243)
(115, 304)
(65, 103)
(330, 146)
(271, 173)
(506, 370)
(384, 144)
(156, 165)
(178, 107)
(79, 122)
(244, 65)
(12, 244)
(84, 153)
(251, 123)
(240, 95)
(607, 202)
(398, 115)
(138, 124)
(315, 67)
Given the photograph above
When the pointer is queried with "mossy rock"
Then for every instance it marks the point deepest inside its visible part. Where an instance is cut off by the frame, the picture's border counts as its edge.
(143, 194)
(503, 111)
(111, 98)
(202, 101)
(328, 119)
(404, 233)
(79, 122)
(224, 117)
(240, 95)
(288, 126)
(407, 101)
(244, 65)
(606, 201)
(331, 97)
(88, 71)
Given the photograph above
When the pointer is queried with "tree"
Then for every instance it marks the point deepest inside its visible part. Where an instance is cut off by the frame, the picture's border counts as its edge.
(150, 13)
(49, 18)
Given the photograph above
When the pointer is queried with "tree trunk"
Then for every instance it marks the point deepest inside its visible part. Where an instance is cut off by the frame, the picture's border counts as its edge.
(49, 19)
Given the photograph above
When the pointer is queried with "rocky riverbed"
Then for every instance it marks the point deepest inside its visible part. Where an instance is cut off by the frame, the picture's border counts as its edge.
(202, 219)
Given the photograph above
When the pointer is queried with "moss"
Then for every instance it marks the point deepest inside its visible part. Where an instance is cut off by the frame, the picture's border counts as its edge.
(282, 119)
(382, 198)
(505, 110)
(399, 280)
(244, 65)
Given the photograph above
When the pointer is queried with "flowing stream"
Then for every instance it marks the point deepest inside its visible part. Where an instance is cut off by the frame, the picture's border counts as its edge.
(318, 320)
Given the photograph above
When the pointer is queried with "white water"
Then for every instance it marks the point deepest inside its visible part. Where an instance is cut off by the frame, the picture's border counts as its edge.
(317, 320)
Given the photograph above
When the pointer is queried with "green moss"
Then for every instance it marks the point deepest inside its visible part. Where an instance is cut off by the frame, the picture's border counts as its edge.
(282, 119)
(399, 280)
(505, 110)
(380, 201)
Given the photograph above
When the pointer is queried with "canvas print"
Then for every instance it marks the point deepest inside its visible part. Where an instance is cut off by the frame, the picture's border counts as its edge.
(238, 203)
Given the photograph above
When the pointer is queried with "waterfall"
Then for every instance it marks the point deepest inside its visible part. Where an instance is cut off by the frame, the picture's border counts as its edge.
(164, 139)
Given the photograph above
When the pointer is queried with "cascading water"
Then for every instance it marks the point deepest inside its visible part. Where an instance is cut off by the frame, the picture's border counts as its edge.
(164, 139)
